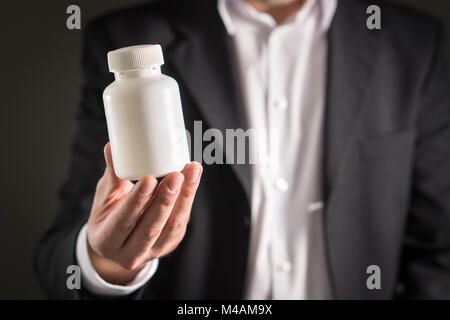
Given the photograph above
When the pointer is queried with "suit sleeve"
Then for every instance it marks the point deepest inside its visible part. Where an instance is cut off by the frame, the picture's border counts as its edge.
(425, 272)
(56, 250)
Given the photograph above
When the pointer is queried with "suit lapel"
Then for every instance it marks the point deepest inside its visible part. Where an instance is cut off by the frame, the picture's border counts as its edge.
(351, 59)
(203, 58)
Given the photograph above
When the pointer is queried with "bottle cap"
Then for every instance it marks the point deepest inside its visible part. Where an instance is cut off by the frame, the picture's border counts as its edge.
(135, 57)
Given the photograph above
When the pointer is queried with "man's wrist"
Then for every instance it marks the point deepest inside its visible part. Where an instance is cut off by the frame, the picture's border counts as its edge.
(93, 282)
(110, 271)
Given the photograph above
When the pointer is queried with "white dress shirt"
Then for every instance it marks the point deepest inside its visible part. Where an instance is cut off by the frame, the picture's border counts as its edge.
(283, 78)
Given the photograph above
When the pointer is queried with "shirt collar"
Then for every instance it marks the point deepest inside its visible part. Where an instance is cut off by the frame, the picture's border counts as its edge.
(233, 11)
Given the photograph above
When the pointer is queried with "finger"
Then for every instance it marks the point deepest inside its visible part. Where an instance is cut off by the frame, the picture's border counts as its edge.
(155, 215)
(110, 173)
(123, 219)
(110, 189)
(175, 227)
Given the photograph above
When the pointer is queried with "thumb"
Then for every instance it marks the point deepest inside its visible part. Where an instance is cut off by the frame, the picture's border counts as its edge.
(110, 174)
(110, 188)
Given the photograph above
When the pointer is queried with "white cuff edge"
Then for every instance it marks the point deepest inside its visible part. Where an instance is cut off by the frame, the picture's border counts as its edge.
(92, 281)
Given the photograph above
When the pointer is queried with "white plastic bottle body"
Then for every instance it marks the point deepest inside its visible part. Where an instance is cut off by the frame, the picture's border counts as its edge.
(145, 124)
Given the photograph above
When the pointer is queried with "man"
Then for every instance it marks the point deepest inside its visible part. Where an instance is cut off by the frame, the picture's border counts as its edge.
(362, 182)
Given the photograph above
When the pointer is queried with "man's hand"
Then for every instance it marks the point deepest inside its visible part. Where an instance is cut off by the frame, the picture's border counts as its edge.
(132, 224)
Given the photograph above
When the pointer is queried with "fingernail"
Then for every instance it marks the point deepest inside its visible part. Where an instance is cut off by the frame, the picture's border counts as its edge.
(193, 174)
(175, 183)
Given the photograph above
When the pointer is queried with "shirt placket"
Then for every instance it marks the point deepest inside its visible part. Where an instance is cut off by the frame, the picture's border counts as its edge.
(277, 183)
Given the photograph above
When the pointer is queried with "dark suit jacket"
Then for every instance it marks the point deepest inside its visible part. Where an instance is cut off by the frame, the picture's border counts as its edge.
(386, 166)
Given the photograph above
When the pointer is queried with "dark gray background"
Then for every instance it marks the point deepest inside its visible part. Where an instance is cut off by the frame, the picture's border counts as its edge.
(40, 88)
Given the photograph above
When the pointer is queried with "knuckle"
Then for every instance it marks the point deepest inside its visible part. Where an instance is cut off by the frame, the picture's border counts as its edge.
(152, 233)
(179, 236)
(142, 197)
(155, 253)
(188, 194)
(176, 226)
(172, 247)
(166, 200)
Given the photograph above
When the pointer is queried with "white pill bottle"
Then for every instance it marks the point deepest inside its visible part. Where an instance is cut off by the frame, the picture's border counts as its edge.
(144, 115)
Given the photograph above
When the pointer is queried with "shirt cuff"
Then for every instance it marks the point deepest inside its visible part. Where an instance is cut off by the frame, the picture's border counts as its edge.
(92, 281)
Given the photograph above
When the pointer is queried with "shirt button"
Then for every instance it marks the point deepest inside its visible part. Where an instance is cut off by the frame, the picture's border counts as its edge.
(280, 104)
(284, 266)
(282, 185)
